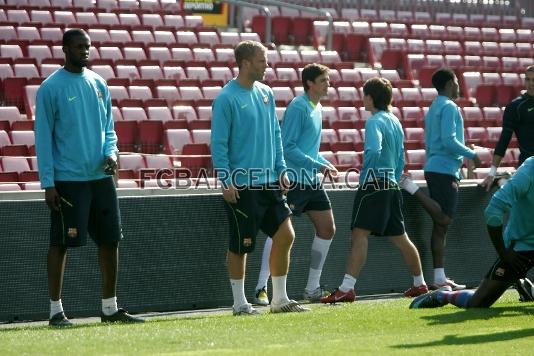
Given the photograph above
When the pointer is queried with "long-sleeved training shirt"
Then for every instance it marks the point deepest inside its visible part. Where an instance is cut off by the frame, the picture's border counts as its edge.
(383, 155)
(301, 138)
(444, 138)
(74, 130)
(246, 145)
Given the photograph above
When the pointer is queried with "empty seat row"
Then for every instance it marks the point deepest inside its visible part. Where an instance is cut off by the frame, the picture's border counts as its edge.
(377, 46)
(423, 31)
(99, 17)
(160, 53)
(207, 37)
(101, 4)
(411, 64)
(26, 138)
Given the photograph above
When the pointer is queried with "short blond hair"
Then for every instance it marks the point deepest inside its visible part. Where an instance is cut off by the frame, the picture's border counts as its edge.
(247, 50)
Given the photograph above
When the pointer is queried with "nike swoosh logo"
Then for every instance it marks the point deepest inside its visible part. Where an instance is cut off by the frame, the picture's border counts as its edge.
(530, 109)
(71, 98)
(244, 106)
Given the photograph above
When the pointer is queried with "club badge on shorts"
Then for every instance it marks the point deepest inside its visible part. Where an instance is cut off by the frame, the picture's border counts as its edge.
(72, 232)
(266, 100)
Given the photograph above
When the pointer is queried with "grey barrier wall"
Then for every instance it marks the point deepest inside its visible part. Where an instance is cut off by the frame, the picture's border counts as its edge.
(173, 255)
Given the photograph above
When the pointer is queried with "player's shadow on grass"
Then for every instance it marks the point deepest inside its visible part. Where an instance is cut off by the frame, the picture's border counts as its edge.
(473, 339)
(461, 315)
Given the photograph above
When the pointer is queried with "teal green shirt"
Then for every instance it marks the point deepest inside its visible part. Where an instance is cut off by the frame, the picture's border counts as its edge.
(301, 138)
(246, 145)
(383, 155)
(74, 130)
(515, 198)
(444, 138)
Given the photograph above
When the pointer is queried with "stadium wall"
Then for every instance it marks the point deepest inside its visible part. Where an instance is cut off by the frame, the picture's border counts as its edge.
(173, 255)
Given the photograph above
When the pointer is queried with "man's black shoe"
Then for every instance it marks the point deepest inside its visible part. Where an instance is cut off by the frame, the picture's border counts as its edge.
(59, 320)
(121, 316)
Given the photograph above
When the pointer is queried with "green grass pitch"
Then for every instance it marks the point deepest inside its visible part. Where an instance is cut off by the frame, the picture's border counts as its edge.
(377, 327)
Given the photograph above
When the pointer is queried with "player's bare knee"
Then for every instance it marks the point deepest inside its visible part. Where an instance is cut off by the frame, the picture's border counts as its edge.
(326, 232)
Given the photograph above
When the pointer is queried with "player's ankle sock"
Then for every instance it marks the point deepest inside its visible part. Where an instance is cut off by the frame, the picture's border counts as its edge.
(418, 280)
(55, 307)
(238, 292)
(348, 283)
(439, 276)
(109, 306)
(459, 298)
(279, 290)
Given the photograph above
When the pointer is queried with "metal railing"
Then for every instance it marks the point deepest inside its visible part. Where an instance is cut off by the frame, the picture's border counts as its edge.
(265, 3)
(263, 8)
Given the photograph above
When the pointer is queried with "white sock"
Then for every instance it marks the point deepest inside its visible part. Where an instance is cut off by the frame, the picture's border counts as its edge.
(265, 271)
(109, 306)
(319, 251)
(238, 291)
(348, 283)
(279, 290)
(418, 280)
(55, 307)
(408, 185)
(439, 276)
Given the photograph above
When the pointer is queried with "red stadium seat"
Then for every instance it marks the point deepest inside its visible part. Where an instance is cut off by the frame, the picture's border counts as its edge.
(494, 133)
(472, 116)
(353, 136)
(161, 113)
(15, 164)
(485, 94)
(9, 113)
(175, 139)
(415, 159)
(23, 138)
(476, 135)
(14, 150)
(356, 46)
(492, 116)
(414, 138)
(134, 162)
(150, 136)
(23, 125)
(505, 94)
(127, 135)
(8, 177)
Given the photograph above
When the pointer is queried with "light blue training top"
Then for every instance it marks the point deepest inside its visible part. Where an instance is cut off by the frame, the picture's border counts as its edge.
(301, 138)
(74, 131)
(246, 145)
(444, 138)
(383, 155)
(516, 197)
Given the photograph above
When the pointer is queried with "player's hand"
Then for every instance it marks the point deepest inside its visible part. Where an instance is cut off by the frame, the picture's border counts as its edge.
(476, 161)
(230, 194)
(519, 263)
(110, 166)
(329, 170)
(488, 182)
(52, 198)
(284, 183)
